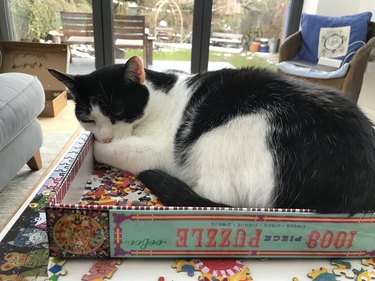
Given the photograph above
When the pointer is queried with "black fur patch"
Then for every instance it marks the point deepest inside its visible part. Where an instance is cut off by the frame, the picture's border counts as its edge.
(161, 81)
(118, 98)
(323, 145)
(173, 192)
(220, 96)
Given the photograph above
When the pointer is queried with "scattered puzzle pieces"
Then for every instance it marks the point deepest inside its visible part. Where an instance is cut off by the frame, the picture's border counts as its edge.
(110, 186)
(342, 268)
(102, 269)
(215, 269)
(363, 275)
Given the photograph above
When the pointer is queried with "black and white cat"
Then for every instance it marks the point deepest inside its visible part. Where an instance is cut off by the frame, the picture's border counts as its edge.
(243, 138)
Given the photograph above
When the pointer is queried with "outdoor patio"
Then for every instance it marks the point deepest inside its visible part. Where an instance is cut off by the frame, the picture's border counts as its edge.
(85, 64)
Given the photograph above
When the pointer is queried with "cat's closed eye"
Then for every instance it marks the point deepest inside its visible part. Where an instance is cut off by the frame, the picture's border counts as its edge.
(88, 121)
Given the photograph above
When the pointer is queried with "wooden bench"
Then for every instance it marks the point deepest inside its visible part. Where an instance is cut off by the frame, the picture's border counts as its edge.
(226, 39)
(129, 32)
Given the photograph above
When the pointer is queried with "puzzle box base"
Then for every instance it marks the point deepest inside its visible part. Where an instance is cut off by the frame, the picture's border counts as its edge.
(120, 231)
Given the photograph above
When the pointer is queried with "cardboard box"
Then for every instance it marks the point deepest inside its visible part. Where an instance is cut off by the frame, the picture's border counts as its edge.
(35, 59)
(119, 231)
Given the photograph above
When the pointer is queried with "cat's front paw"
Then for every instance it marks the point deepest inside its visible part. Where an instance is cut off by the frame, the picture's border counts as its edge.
(102, 152)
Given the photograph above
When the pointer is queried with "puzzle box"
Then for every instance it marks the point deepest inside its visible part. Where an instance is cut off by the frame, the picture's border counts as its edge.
(151, 231)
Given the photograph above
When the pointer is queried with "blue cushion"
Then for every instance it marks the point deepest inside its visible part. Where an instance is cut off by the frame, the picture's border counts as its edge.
(337, 28)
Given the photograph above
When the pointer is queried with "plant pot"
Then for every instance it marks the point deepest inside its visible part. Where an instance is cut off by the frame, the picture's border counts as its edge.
(263, 48)
(254, 47)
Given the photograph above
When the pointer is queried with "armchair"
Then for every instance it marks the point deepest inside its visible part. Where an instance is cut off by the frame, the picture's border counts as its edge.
(350, 85)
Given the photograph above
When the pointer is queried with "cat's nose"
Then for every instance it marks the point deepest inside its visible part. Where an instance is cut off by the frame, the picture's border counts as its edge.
(106, 140)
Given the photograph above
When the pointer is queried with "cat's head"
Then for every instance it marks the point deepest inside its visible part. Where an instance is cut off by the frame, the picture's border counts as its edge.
(110, 99)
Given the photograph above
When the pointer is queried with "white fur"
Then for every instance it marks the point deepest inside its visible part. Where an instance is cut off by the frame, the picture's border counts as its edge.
(232, 164)
(103, 129)
(150, 145)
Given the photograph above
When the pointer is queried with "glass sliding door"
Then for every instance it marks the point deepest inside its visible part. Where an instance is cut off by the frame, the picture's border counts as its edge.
(56, 22)
(159, 31)
(245, 33)
(242, 33)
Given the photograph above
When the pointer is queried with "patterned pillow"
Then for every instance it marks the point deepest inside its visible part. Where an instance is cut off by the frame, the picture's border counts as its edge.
(333, 37)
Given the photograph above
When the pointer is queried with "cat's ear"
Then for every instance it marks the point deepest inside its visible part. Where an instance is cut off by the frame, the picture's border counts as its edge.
(134, 69)
(68, 80)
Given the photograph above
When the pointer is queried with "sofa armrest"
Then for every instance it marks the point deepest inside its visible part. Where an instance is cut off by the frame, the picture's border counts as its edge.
(290, 47)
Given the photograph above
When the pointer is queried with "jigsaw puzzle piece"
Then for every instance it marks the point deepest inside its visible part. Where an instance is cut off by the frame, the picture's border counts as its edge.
(214, 270)
(93, 183)
(102, 269)
(188, 266)
(40, 220)
(321, 274)
(363, 275)
(342, 268)
(369, 262)
(55, 268)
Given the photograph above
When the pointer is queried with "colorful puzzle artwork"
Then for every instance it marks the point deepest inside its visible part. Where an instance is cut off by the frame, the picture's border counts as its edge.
(78, 232)
(110, 186)
(88, 231)
(32, 263)
(24, 251)
(24, 255)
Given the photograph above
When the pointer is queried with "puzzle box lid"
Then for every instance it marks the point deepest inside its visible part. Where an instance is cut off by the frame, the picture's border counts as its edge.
(35, 59)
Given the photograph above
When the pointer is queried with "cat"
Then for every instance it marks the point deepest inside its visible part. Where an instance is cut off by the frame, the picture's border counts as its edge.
(233, 137)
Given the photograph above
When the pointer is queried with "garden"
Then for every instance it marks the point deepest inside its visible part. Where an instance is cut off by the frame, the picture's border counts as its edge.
(257, 21)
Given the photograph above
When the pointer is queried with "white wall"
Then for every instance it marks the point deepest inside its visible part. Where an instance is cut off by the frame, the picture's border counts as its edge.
(337, 8)
(367, 5)
(310, 6)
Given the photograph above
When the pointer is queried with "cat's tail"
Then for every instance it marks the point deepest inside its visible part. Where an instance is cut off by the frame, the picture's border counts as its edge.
(173, 192)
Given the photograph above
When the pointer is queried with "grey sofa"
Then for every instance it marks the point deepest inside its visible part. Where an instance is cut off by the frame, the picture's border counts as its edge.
(21, 101)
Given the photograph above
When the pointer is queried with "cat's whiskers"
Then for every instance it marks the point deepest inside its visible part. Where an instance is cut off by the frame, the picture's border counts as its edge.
(104, 92)
(294, 199)
(99, 99)
(111, 96)
(81, 104)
